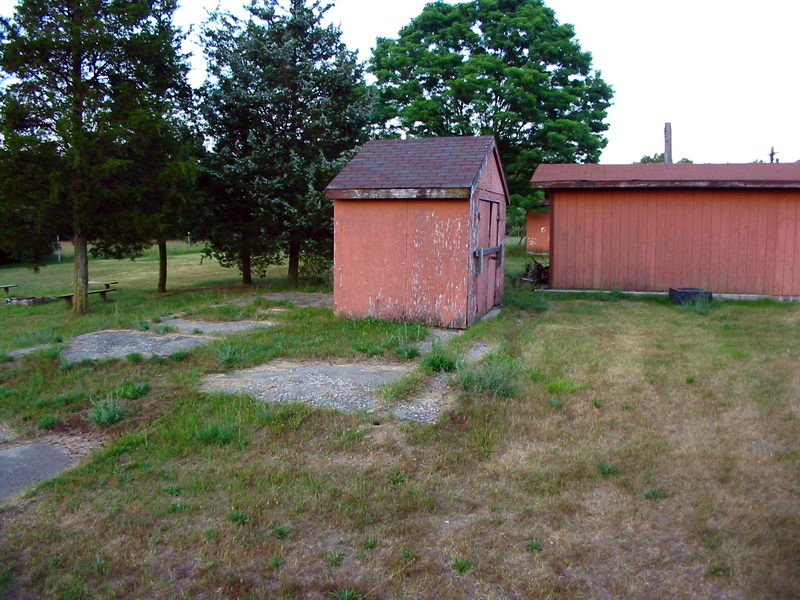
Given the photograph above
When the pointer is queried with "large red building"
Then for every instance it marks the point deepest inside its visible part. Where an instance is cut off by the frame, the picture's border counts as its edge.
(732, 228)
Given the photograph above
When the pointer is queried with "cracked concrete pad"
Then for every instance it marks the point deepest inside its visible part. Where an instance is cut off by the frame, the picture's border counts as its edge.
(348, 387)
(194, 325)
(119, 343)
(23, 466)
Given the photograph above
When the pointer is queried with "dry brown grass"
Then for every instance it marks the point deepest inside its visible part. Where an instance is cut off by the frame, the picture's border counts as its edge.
(701, 407)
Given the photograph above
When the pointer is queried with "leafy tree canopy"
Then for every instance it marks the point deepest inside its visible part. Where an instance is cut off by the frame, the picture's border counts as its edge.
(658, 157)
(501, 67)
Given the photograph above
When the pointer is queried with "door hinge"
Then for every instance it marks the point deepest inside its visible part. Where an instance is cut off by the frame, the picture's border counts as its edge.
(480, 253)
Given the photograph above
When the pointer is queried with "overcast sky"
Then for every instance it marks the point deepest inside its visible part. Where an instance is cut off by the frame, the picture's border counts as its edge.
(725, 73)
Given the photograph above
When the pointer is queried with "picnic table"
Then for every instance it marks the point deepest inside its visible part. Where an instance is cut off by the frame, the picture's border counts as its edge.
(8, 286)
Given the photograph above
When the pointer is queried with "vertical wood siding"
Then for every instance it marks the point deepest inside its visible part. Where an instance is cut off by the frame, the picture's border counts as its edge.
(729, 241)
(537, 232)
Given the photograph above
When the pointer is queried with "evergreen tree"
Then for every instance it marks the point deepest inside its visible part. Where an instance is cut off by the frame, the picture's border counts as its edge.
(494, 67)
(83, 72)
(285, 105)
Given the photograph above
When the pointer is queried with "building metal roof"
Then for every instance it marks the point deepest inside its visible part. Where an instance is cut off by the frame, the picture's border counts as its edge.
(436, 167)
(680, 175)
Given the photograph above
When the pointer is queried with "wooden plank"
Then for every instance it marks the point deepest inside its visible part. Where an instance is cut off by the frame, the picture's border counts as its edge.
(400, 194)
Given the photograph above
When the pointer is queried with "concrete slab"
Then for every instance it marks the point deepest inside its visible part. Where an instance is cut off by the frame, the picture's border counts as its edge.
(348, 387)
(21, 467)
(212, 327)
(119, 343)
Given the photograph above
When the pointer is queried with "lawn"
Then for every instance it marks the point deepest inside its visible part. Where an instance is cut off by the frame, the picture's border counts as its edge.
(610, 448)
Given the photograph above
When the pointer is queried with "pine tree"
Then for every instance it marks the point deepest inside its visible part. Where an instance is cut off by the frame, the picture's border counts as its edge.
(83, 72)
(285, 105)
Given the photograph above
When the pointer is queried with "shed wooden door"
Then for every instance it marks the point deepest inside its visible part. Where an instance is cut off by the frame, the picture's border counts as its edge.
(488, 237)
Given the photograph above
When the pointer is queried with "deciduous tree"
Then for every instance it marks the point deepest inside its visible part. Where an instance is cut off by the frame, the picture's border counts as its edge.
(501, 67)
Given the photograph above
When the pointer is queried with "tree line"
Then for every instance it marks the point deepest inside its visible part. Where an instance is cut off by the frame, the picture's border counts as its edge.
(102, 138)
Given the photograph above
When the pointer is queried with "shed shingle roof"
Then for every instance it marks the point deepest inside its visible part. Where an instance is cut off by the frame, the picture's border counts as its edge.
(440, 162)
(750, 175)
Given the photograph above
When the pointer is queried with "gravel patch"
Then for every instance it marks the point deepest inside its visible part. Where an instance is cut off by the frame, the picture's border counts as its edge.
(344, 386)
(6, 433)
(212, 327)
(119, 343)
(427, 406)
(438, 336)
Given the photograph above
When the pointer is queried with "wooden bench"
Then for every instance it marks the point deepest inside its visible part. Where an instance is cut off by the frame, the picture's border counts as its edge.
(68, 297)
(8, 286)
(107, 284)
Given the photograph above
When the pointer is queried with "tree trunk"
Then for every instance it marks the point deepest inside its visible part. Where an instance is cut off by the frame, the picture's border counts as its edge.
(245, 264)
(294, 261)
(162, 266)
(80, 301)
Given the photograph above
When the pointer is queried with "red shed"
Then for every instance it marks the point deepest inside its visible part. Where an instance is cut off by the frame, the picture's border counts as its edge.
(419, 226)
(732, 228)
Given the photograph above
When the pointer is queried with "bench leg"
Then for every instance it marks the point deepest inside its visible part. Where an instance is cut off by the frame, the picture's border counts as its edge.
(68, 300)
(103, 296)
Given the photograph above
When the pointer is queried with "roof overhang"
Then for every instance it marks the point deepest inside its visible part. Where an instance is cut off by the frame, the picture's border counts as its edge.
(594, 185)
(399, 194)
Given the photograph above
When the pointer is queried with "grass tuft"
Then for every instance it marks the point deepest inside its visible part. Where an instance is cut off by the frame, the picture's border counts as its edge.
(132, 391)
(107, 411)
(215, 434)
(561, 385)
(237, 517)
(281, 531)
(462, 565)
(439, 361)
(48, 422)
(606, 470)
(346, 594)
(655, 494)
(496, 374)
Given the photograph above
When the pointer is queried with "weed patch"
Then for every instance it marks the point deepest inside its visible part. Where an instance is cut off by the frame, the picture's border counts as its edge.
(132, 391)
(108, 411)
(496, 374)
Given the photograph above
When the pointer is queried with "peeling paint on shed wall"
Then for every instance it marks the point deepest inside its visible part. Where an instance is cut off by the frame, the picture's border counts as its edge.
(402, 260)
(728, 241)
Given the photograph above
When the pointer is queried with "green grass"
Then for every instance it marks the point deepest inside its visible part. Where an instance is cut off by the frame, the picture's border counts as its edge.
(539, 493)
(439, 360)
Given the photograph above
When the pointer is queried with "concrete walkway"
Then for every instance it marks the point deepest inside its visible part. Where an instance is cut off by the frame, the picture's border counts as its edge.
(21, 467)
